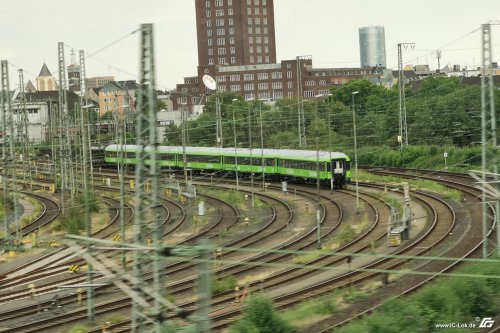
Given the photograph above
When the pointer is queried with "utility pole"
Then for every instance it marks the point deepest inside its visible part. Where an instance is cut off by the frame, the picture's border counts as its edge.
(23, 130)
(66, 158)
(403, 126)
(86, 191)
(147, 172)
(300, 104)
(9, 158)
(489, 151)
(262, 149)
(250, 147)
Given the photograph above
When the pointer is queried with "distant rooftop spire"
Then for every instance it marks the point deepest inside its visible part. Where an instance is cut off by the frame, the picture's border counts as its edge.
(30, 88)
(44, 71)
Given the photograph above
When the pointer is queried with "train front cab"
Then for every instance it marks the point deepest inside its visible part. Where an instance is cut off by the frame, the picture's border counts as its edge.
(340, 170)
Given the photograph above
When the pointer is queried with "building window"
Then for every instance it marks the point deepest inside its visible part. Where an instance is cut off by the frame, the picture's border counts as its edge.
(276, 75)
(264, 11)
(219, 3)
(232, 50)
(252, 59)
(221, 88)
(250, 40)
(209, 13)
(257, 30)
(309, 94)
(263, 86)
(262, 76)
(259, 49)
(221, 32)
(234, 77)
(219, 22)
(209, 32)
(264, 20)
(229, 2)
(207, 4)
(264, 95)
(322, 82)
(249, 87)
(221, 41)
(259, 59)
(209, 23)
(233, 60)
(250, 21)
(249, 11)
(289, 74)
(209, 41)
(278, 95)
(266, 40)
(258, 40)
(277, 85)
(249, 97)
(248, 77)
(219, 12)
(264, 2)
(266, 31)
(211, 61)
(256, 2)
(221, 78)
(210, 51)
(222, 61)
(257, 20)
(250, 49)
(250, 30)
(310, 83)
(290, 85)
(221, 51)
(256, 11)
(249, 2)
(235, 87)
(231, 21)
(230, 11)
(231, 40)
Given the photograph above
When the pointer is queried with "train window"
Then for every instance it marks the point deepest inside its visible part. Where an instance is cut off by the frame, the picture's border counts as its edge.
(256, 161)
(203, 159)
(167, 157)
(297, 164)
(111, 154)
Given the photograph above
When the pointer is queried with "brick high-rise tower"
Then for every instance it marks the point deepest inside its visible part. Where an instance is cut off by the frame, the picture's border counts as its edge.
(235, 32)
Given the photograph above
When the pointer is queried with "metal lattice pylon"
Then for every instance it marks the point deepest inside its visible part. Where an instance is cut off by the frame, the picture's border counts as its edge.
(9, 158)
(489, 156)
(147, 176)
(67, 175)
(23, 130)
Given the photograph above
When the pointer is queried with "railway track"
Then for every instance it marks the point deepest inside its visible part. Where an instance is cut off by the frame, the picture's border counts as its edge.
(312, 293)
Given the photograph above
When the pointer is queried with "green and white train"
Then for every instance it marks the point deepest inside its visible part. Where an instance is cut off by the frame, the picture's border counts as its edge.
(278, 164)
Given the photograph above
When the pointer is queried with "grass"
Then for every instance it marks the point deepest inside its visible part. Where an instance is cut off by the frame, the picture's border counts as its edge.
(419, 184)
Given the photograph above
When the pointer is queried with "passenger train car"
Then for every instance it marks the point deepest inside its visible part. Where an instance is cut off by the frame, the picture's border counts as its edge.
(278, 164)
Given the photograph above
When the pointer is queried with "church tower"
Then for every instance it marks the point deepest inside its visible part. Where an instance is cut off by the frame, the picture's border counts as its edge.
(45, 81)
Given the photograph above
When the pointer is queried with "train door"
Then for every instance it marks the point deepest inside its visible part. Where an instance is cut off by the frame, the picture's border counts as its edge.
(338, 173)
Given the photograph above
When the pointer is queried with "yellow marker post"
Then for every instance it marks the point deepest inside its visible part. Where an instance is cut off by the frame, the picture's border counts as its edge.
(32, 289)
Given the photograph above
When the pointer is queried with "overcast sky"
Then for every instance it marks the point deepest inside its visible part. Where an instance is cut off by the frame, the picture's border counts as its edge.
(325, 29)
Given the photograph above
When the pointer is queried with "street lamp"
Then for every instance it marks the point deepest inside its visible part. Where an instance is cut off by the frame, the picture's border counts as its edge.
(355, 148)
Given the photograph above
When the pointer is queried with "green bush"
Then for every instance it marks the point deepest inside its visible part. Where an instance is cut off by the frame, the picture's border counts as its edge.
(259, 316)
(225, 284)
